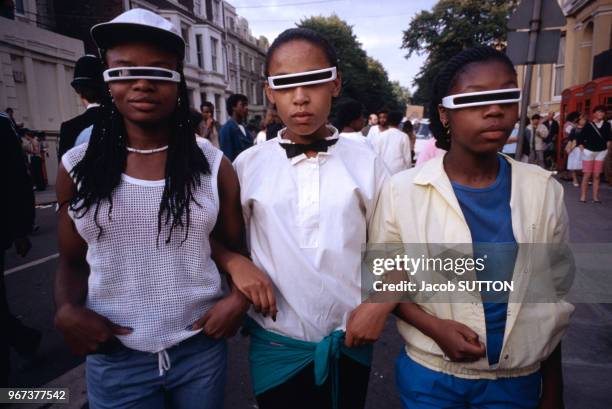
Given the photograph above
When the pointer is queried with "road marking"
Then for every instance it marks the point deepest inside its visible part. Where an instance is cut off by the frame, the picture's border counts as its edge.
(31, 264)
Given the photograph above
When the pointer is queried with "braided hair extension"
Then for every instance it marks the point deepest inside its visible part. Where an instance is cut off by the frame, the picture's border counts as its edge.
(100, 170)
(446, 79)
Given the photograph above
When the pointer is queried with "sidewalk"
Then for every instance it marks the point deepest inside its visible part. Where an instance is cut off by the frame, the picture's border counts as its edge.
(46, 196)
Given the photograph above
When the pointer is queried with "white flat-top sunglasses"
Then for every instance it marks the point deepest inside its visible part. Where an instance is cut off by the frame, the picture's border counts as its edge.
(474, 99)
(301, 79)
(137, 73)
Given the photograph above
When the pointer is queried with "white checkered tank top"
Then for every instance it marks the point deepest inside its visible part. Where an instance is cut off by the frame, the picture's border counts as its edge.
(141, 282)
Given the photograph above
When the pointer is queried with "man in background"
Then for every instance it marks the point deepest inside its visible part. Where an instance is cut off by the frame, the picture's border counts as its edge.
(209, 127)
(393, 145)
(537, 136)
(551, 140)
(233, 136)
(382, 123)
(88, 83)
(16, 220)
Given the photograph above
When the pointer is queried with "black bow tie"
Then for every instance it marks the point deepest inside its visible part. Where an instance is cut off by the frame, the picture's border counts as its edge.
(296, 149)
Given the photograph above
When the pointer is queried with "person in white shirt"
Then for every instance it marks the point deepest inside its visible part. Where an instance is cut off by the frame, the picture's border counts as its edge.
(372, 121)
(307, 197)
(382, 123)
(393, 145)
(538, 133)
(350, 120)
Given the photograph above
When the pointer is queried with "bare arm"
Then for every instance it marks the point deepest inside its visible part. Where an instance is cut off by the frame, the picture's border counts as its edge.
(458, 342)
(84, 330)
(247, 278)
(73, 271)
(227, 244)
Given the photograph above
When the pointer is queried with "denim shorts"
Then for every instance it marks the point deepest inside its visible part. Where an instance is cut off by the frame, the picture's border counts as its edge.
(192, 375)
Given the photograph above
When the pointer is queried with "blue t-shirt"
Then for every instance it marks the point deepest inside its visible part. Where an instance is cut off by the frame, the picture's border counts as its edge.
(487, 213)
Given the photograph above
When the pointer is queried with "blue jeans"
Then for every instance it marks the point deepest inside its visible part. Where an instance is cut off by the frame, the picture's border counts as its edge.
(422, 388)
(124, 378)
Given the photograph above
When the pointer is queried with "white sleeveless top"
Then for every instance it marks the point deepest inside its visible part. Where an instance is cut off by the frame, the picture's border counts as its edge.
(137, 280)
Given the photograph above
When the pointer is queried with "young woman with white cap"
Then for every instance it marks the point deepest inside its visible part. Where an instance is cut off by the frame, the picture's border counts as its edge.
(141, 207)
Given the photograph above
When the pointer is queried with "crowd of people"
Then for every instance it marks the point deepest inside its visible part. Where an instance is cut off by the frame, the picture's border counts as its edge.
(35, 150)
(586, 147)
(175, 231)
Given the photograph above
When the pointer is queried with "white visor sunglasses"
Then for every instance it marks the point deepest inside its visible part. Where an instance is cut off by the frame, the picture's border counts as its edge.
(475, 99)
(301, 79)
(137, 73)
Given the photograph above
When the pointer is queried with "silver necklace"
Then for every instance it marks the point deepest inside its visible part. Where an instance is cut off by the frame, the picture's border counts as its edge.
(146, 151)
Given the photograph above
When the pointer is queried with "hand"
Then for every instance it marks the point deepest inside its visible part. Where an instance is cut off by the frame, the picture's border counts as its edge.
(209, 123)
(224, 318)
(458, 341)
(22, 246)
(86, 331)
(256, 286)
(366, 323)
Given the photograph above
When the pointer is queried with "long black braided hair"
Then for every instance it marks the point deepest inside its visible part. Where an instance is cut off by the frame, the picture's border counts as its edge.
(445, 80)
(100, 170)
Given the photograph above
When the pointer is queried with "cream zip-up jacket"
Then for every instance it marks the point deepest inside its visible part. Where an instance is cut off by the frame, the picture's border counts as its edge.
(419, 206)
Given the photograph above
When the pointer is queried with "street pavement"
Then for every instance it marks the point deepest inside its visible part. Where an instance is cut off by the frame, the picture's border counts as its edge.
(587, 347)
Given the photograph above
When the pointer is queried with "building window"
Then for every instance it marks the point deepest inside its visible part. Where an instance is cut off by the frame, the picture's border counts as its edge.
(202, 97)
(200, 51)
(216, 12)
(19, 9)
(253, 96)
(185, 34)
(209, 10)
(231, 24)
(240, 57)
(242, 86)
(233, 54)
(260, 97)
(218, 107)
(214, 43)
(559, 69)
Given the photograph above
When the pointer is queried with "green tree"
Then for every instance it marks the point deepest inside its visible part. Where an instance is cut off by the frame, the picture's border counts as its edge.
(452, 26)
(363, 78)
(402, 94)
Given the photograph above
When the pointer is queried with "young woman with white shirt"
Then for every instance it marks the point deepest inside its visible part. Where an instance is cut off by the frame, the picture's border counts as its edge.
(307, 197)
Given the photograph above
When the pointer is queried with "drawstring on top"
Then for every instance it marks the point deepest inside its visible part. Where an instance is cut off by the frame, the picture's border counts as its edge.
(163, 362)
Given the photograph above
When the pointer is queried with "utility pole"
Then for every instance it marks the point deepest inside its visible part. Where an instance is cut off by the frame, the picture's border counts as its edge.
(533, 38)
(534, 29)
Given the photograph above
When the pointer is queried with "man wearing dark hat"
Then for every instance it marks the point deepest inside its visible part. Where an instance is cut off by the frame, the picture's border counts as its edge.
(88, 84)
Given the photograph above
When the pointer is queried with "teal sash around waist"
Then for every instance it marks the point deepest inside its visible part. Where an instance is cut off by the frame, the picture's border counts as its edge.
(275, 358)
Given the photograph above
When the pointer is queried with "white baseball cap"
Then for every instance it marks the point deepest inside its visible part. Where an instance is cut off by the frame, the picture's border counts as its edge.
(139, 24)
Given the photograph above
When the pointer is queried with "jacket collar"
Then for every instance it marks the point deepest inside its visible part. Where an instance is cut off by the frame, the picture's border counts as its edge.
(525, 180)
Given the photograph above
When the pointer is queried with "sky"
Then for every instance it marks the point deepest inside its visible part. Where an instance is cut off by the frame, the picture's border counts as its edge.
(378, 25)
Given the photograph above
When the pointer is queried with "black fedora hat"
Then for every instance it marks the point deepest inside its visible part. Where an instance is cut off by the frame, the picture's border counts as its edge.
(87, 71)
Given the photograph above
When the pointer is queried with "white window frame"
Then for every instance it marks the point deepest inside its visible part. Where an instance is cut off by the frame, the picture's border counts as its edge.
(559, 66)
(197, 7)
(187, 43)
(199, 38)
(214, 53)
